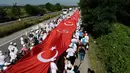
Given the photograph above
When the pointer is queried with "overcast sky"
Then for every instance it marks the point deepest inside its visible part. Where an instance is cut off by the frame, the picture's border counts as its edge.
(35, 2)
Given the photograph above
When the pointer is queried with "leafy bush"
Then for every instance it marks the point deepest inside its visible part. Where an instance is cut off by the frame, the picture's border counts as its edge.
(113, 39)
(99, 14)
(115, 49)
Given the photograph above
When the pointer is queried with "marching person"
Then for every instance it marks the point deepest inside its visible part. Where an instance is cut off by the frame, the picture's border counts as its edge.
(53, 67)
(6, 65)
(84, 42)
(31, 46)
(13, 53)
(2, 62)
(74, 46)
(68, 66)
(80, 34)
(15, 48)
(70, 52)
(87, 37)
(44, 36)
(22, 40)
(10, 47)
(87, 40)
(24, 50)
(81, 53)
(77, 34)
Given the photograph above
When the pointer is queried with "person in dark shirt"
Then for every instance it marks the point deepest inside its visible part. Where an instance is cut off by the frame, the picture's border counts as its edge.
(81, 53)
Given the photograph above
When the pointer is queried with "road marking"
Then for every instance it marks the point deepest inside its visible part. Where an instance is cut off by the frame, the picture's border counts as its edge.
(10, 40)
(44, 22)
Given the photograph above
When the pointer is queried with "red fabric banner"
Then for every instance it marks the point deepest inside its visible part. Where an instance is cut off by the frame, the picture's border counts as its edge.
(38, 59)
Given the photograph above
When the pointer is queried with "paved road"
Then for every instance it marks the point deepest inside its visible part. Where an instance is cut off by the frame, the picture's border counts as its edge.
(83, 67)
(11, 22)
(4, 43)
(15, 37)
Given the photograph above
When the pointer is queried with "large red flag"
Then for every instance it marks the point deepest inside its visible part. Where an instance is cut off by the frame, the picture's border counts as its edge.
(38, 59)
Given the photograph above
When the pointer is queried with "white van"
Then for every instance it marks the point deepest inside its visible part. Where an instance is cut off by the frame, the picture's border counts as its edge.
(65, 11)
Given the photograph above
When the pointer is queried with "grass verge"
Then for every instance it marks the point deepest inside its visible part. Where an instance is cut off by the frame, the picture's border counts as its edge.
(95, 62)
(19, 25)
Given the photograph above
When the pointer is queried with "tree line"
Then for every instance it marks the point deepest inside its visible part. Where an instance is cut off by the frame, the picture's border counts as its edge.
(108, 22)
(99, 14)
(8, 13)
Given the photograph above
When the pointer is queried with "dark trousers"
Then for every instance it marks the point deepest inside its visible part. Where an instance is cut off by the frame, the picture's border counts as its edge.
(72, 59)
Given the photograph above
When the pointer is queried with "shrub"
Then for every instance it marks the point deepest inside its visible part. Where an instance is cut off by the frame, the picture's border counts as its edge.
(115, 49)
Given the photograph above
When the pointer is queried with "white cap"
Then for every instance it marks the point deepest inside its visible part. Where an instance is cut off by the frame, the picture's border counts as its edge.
(37, 31)
(6, 63)
(67, 56)
(14, 44)
(11, 43)
(4, 68)
(32, 44)
(24, 45)
(0, 52)
(70, 45)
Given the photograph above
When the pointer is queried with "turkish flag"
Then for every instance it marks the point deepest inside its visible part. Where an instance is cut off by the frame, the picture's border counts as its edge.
(39, 58)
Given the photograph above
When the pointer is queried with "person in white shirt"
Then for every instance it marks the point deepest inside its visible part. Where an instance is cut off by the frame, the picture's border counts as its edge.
(77, 34)
(2, 58)
(74, 40)
(44, 36)
(22, 40)
(12, 56)
(70, 52)
(84, 42)
(13, 53)
(53, 67)
(74, 46)
(31, 46)
(52, 25)
(10, 46)
(15, 48)
(87, 38)
(6, 65)
(47, 28)
(69, 67)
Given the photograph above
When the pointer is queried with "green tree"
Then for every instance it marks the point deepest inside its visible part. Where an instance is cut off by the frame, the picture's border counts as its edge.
(42, 8)
(98, 17)
(32, 10)
(49, 6)
(58, 6)
(3, 14)
(15, 11)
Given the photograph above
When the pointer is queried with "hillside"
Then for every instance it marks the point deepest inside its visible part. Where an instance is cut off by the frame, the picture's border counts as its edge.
(112, 51)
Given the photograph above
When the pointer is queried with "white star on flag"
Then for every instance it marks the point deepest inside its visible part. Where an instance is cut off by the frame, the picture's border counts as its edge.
(53, 48)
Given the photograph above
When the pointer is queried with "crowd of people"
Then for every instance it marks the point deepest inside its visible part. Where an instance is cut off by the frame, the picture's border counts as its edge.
(27, 41)
(77, 48)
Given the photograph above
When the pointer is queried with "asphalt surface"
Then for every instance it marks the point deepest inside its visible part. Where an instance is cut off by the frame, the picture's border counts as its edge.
(15, 37)
(31, 17)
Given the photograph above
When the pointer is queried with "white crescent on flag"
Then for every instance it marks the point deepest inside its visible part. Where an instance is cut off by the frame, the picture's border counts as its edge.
(41, 59)
(68, 24)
